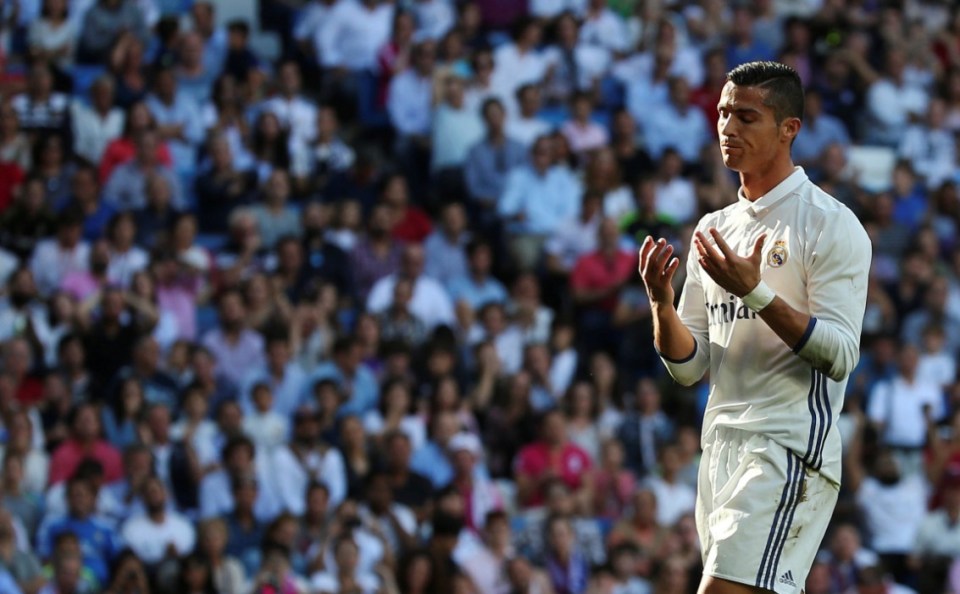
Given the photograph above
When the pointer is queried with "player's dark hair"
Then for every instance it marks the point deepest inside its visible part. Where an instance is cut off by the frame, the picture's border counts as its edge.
(782, 83)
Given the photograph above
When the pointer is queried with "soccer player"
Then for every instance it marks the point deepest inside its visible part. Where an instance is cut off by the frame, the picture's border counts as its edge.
(772, 305)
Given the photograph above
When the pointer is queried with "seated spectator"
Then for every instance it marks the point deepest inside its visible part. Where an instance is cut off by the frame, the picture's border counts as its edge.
(53, 259)
(743, 45)
(430, 300)
(456, 127)
(126, 259)
(284, 378)
(640, 528)
(23, 566)
(938, 537)
(241, 464)
(222, 187)
(98, 539)
(581, 132)
(106, 506)
(536, 199)
(157, 385)
(160, 533)
(891, 101)
(304, 460)
(194, 75)
(398, 322)
(578, 65)
(84, 442)
(432, 459)
(645, 429)
(445, 248)
(520, 61)
(178, 119)
(41, 110)
(236, 347)
(819, 131)
(566, 565)
(103, 23)
(314, 162)
(554, 455)
(674, 497)
(353, 35)
(410, 488)
(410, 223)
(359, 386)
(346, 571)
(845, 558)
(266, 427)
(525, 126)
(25, 505)
(244, 529)
(126, 187)
(377, 254)
(674, 195)
(97, 124)
(478, 287)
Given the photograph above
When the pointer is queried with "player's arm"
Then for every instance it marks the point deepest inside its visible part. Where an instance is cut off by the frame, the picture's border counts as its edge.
(838, 267)
(680, 336)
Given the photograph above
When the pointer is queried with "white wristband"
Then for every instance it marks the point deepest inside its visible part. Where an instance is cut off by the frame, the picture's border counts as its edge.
(760, 297)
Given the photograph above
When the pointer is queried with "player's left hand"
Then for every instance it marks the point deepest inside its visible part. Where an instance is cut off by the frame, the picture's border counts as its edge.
(734, 273)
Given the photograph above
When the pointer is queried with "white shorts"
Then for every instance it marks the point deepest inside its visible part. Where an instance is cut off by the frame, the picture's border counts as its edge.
(761, 513)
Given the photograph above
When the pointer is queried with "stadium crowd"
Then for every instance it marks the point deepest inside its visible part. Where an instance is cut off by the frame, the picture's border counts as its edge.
(340, 296)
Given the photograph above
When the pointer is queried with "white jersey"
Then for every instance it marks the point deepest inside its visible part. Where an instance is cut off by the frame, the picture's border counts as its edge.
(817, 259)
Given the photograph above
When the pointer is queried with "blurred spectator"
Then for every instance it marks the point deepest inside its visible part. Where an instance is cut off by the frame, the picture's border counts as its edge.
(307, 459)
(84, 441)
(353, 33)
(23, 566)
(430, 301)
(819, 131)
(891, 101)
(160, 533)
(41, 110)
(98, 123)
(674, 497)
(675, 124)
(236, 347)
(551, 457)
(445, 248)
(490, 160)
(357, 384)
(128, 183)
(525, 125)
(535, 200)
(103, 24)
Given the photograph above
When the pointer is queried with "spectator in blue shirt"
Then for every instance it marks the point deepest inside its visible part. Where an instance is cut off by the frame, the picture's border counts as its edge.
(819, 131)
(478, 287)
(743, 47)
(98, 540)
(356, 381)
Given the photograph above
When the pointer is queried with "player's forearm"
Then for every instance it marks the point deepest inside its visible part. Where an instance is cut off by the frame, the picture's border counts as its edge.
(672, 339)
(786, 322)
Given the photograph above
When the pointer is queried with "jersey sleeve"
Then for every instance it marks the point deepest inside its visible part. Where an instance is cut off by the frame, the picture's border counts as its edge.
(838, 269)
(693, 313)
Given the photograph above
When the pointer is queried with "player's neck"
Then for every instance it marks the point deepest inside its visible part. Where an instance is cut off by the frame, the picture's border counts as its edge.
(757, 184)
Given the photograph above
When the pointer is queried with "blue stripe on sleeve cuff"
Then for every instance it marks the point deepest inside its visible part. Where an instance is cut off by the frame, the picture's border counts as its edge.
(806, 335)
(680, 361)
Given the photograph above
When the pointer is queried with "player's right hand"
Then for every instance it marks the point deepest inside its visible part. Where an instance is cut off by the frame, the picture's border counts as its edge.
(657, 267)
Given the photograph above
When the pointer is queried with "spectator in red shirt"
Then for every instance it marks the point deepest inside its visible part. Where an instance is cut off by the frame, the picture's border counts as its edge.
(410, 223)
(596, 281)
(11, 176)
(85, 441)
(18, 362)
(553, 456)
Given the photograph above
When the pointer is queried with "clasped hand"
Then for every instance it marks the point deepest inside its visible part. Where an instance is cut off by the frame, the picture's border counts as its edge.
(736, 274)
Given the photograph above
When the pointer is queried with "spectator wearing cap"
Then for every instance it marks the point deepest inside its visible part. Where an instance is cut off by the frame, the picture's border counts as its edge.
(84, 441)
(126, 189)
(239, 459)
(53, 259)
(552, 456)
(356, 382)
(98, 539)
(536, 199)
(160, 533)
(305, 459)
(480, 495)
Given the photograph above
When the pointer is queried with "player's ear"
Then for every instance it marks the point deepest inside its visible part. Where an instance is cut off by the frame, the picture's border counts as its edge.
(789, 128)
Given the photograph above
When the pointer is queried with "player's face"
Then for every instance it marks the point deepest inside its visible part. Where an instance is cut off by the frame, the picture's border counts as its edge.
(750, 137)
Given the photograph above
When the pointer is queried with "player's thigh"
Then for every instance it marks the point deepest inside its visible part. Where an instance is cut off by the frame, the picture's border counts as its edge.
(763, 516)
(714, 585)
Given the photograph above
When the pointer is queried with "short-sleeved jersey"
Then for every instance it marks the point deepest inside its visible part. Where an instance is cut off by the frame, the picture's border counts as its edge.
(817, 259)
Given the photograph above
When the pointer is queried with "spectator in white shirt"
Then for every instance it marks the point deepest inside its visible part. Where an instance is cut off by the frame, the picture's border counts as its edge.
(577, 66)
(646, 81)
(434, 18)
(939, 535)
(892, 102)
(674, 497)
(456, 128)
(304, 460)
(308, 29)
(345, 574)
(354, 32)
(54, 259)
(96, 124)
(296, 114)
(153, 535)
(526, 126)
(936, 365)
(520, 62)
(603, 27)
(430, 302)
(410, 107)
(674, 195)
(930, 146)
(265, 426)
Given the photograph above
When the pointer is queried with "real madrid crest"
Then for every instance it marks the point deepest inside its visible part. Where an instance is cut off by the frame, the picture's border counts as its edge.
(777, 256)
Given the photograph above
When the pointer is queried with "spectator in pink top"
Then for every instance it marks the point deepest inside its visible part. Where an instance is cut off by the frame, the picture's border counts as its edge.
(581, 132)
(85, 441)
(553, 456)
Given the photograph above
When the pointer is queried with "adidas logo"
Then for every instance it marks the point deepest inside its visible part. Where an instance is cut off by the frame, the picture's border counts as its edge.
(787, 579)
